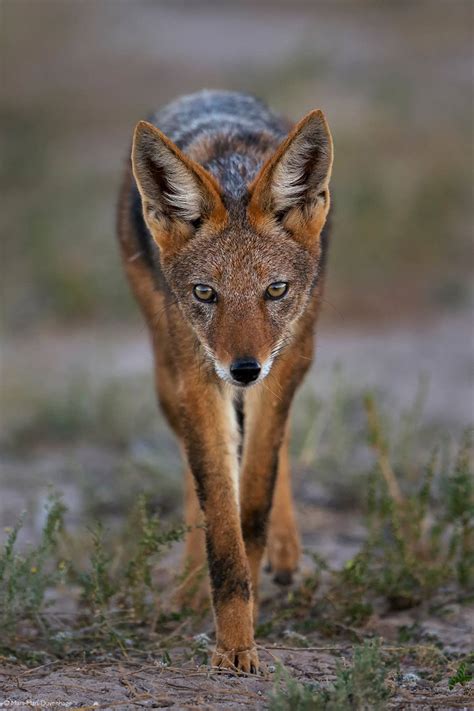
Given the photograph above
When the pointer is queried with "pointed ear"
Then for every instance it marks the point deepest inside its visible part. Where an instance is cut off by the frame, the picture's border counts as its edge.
(177, 193)
(293, 186)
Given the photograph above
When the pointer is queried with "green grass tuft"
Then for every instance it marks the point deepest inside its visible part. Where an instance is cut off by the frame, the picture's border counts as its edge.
(361, 686)
(464, 673)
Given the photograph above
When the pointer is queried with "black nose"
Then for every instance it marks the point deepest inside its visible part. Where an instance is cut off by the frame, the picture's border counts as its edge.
(245, 370)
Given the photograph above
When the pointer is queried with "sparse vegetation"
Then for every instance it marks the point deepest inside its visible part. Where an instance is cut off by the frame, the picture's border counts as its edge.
(359, 686)
(417, 552)
(417, 543)
(464, 673)
(26, 578)
(420, 540)
(113, 593)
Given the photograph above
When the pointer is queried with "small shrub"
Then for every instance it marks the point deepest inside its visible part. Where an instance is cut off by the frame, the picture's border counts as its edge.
(97, 585)
(114, 592)
(291, 695)
(25, 578)
(149, 541)
(361, 686)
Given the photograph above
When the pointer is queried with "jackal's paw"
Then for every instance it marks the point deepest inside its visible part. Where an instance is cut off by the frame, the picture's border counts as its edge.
(283, 552)
(243, 660)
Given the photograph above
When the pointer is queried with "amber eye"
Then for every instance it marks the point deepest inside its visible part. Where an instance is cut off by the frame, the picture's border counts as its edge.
(276, 290)
(205, 293)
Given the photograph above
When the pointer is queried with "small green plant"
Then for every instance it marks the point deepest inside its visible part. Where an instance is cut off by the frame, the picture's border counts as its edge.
(459, 492)
(290, 695)
(361, 686)
(97, 585)
(463, 675)
(25, 578)
(149, 542)
(200, 648)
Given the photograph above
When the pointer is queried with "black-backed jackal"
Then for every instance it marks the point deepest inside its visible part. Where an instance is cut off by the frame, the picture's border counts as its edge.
(223, 232)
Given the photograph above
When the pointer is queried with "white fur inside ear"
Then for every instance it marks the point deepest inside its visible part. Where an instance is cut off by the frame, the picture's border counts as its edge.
(288, 183)
(183, 193)
(304, 168)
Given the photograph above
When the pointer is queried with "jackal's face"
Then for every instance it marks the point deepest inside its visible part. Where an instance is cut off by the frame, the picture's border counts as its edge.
(242, 271)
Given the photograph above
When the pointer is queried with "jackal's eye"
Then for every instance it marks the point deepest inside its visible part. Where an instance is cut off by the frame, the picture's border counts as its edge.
(276, 290)
(205, 293)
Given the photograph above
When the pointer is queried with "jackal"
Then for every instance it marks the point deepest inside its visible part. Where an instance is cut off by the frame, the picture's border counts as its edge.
(223, 231)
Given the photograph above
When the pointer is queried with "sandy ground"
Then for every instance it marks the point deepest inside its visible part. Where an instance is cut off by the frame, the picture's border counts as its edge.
(131, 685)
(134, 682)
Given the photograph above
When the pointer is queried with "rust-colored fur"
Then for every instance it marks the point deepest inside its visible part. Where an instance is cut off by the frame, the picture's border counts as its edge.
(236, 207)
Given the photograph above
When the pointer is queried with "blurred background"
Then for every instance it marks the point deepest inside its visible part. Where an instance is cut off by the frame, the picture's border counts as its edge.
(394, 80)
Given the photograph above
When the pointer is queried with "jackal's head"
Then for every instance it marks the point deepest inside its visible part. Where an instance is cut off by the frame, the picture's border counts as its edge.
(242, 267)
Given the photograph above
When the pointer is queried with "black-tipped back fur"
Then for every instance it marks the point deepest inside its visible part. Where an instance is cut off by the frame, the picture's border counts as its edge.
(235, 133)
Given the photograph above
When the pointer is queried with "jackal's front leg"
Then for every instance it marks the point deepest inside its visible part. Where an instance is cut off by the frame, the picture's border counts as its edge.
(266, 414)
(283, 545)
(209, 433)
(264, 429)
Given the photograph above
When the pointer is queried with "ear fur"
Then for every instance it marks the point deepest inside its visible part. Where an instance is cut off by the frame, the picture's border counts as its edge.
(296, 178)
(175, 190)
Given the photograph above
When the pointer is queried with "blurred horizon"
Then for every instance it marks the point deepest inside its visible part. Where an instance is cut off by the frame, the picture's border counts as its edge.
(393, 79)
